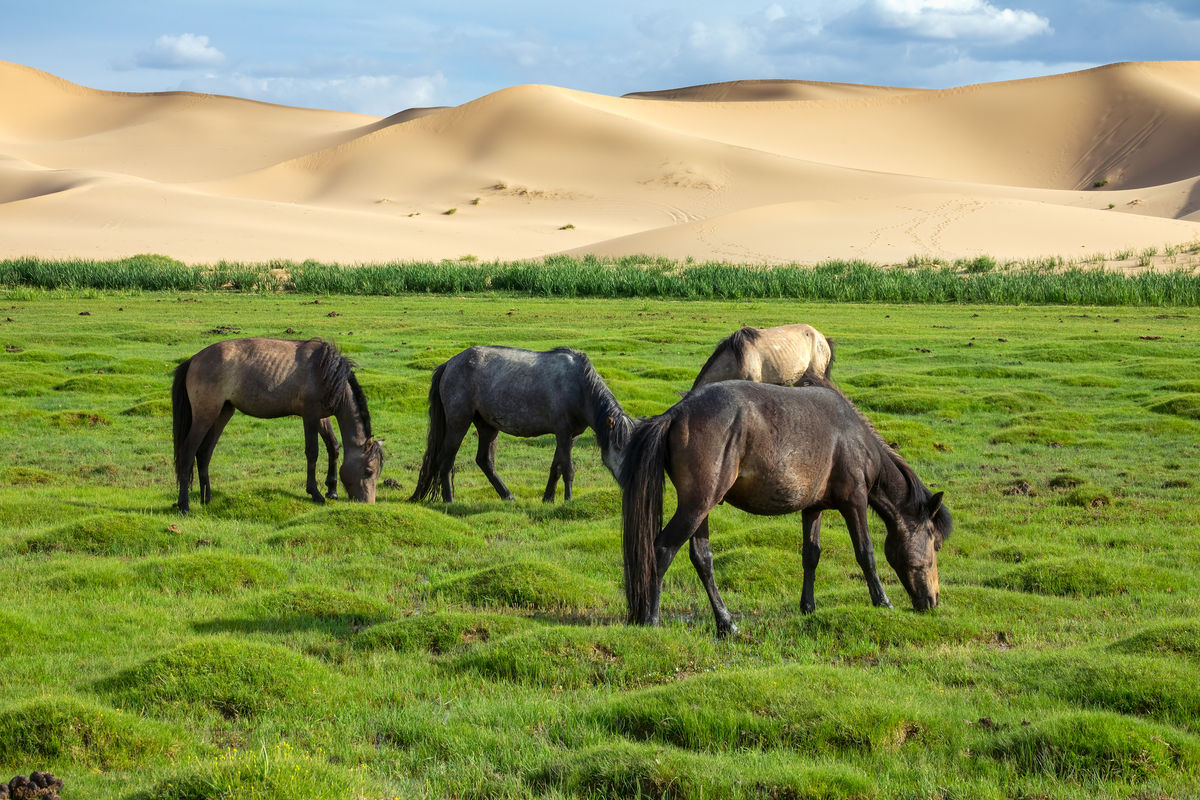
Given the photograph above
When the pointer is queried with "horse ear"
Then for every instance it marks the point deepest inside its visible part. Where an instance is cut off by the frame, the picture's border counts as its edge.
(934, 503)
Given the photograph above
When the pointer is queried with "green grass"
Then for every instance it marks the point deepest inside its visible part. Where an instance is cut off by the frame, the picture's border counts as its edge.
(977, 280)
(265, 647)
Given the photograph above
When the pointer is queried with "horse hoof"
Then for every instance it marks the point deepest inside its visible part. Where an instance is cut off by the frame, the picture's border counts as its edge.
(727, 631)
(808, 608)
(331, 496)
(316, 498)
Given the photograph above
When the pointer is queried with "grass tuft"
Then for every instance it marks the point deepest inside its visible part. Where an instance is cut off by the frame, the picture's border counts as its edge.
(1096, 745)
(58, 730)
(439, 632)
(535, 585)
(107, 535)
(232, 677)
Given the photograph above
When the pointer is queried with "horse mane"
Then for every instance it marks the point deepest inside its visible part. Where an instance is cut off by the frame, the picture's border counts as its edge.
(918, 492)
(335, 373)
(603, 404)
(736, 344)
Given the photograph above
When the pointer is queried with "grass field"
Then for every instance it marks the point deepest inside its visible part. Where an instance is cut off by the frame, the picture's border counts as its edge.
(264, 647)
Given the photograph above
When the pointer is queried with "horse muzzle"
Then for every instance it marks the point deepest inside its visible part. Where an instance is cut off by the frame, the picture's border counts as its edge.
(926, 602)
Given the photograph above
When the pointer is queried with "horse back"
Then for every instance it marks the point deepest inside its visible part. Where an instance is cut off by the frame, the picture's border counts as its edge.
(260, 377)
(787, 352)
(521, 392)
(770, 450)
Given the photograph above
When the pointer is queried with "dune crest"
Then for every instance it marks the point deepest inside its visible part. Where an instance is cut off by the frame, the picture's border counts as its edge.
(753, 171)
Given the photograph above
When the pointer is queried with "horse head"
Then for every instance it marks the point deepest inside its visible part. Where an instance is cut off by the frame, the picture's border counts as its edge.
(360, 470)
(912, 546)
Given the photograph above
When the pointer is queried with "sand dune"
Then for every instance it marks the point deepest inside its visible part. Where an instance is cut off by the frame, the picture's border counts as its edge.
(771, 90)
(755, 171)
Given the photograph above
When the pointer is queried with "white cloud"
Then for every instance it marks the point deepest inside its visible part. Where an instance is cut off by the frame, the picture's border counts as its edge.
(186, 51)
(961, 19)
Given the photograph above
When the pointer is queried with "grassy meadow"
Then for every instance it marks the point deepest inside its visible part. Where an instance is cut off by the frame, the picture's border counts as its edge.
(265, 647)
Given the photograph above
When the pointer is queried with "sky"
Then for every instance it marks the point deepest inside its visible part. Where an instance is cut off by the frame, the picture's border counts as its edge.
(382, 57)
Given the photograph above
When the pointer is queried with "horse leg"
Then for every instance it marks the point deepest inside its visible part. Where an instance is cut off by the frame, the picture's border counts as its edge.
(485, 457)
(811, 521)
(683, 525)
(203, 416)
(333, 447)
(456, 429)
(856, 521)
(204, 454)
(312, 449)
(561, 465)
(701, 556)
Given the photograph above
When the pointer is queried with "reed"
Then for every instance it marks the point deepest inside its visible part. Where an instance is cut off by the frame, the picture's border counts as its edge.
(1050, 281)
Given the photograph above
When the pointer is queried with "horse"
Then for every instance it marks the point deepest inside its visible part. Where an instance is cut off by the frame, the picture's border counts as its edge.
(523, 393)
(772, 450)
(781, 355)
(272, 378)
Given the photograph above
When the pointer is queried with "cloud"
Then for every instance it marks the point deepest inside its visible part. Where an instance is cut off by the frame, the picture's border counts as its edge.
(960, 19)
(186, 51)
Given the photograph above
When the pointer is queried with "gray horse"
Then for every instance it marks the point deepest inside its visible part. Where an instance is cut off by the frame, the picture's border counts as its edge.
(523, 393)
(772, 450)
(274, 378)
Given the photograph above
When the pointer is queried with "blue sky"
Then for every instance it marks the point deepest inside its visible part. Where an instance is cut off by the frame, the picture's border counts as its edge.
(382, 57)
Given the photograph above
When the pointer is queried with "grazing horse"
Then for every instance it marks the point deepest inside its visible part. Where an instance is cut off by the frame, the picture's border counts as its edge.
(772, 450)
(523, 393)
(781, 356)
(274, 378)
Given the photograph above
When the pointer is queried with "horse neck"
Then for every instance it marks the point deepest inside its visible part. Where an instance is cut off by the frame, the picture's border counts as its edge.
(891, 490)
(600, 404)
(350, 421)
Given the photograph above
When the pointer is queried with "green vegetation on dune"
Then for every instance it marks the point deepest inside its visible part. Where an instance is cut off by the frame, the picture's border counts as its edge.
(266, 647)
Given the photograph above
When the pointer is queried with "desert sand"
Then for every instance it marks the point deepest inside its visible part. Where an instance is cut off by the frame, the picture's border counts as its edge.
(765, 172)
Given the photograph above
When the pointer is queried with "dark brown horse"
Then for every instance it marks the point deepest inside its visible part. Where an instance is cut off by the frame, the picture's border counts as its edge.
(523, 393)
(274, 378)
(772, 450)
(781, 355)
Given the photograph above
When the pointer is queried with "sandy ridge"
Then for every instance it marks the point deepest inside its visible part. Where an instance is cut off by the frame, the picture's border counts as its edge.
(757, 171)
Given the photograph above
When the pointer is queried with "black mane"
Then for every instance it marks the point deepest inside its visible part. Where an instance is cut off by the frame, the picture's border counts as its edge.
(918, 492)
(336, 372)
(603, 405)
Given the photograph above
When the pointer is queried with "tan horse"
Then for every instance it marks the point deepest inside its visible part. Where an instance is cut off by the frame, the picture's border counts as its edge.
(274, 378)
(781, 356)
(769, 450)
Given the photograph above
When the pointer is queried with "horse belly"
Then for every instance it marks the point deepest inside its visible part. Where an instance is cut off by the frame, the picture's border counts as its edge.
(772, 494)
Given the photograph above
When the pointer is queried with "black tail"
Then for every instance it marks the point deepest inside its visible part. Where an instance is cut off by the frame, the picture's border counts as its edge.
(427, 480)
(181, 419)
(642, 513)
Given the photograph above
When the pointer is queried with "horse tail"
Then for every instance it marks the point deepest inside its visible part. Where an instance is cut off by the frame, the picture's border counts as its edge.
(642, 513)
(181, 420)
(428, 478)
